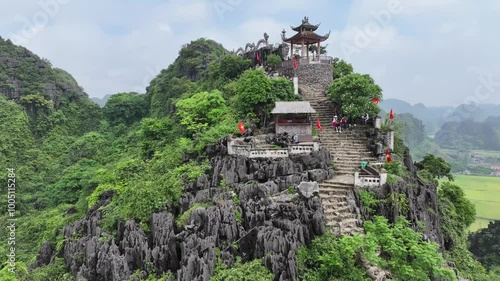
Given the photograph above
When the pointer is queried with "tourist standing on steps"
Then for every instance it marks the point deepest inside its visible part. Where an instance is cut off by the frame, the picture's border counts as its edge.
(366, 118)
(334, 122)
(342, 123)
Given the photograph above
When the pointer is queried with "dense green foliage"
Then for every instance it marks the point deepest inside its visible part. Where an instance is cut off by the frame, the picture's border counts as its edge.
(397, 248)
(485, 245)
(257, 94)
(67, 151)
(249, 271)
(355, 93)
(201, 110)
(341, 68)
(274, 60)
(457, 214)
(125, 108)
(436, 166)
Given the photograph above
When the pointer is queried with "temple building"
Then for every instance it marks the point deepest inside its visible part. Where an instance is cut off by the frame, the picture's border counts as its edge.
(305, 37)
(293, 117)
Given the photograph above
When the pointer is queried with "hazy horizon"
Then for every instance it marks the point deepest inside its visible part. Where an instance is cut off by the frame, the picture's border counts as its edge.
(438, 53)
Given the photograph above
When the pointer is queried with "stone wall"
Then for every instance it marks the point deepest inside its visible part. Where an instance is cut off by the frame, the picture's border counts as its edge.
(313, 75)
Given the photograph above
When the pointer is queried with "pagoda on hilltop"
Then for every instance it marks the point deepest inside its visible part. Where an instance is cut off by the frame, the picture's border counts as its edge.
(305, 37)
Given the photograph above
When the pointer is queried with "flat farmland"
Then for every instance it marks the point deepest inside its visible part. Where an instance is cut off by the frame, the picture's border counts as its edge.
(484, 192)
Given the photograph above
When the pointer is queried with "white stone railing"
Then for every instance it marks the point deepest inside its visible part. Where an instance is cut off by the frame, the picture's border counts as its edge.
(370, 180)
(268, 153)
(303, 148)
(243, 150)
(248, 151)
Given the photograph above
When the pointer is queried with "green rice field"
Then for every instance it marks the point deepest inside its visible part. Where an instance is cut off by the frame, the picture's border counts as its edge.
(484, 192)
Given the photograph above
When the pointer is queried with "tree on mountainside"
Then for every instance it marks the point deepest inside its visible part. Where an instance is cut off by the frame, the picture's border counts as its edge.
(256, 94)
(436, 166)
(201, 110)
(165, 91)
(341, 68)
(125, 108)
(485, 245)
(274, 60)
(355, 93)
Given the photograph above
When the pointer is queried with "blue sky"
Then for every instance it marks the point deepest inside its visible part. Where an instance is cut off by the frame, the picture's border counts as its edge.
(436, 52)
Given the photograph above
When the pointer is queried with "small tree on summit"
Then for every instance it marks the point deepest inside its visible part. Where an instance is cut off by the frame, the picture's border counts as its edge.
(341, 68)
(355, 93)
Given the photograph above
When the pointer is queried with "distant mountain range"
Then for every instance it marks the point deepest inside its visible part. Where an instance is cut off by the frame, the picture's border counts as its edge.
(101, 101)
(434, 117)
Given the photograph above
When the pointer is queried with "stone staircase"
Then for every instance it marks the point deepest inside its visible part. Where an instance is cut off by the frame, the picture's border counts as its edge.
(341, 214)
(348, 149)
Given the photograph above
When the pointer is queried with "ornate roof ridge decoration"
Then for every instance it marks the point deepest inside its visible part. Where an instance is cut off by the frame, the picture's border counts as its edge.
(305, 33)
(306, 24)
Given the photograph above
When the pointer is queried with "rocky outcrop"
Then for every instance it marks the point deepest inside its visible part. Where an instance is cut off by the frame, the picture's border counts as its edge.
(420, 203)
(246, 210)
(23, 71)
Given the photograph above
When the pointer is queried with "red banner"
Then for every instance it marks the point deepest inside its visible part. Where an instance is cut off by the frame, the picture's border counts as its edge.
(241, 127)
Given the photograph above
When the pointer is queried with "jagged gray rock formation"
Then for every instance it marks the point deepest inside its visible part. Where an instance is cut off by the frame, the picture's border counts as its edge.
(421, 203)
(252, 215)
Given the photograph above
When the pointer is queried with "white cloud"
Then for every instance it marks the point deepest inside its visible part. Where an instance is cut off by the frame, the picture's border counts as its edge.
(420, 51)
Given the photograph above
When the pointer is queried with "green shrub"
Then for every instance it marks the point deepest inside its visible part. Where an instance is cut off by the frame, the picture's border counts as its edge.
(396, 248)
(394, 168)
(368, 200)
(249, 271)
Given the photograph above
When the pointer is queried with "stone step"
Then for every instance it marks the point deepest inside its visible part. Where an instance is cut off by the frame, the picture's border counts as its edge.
(343, 223)
(330, 185)
(357, 154)
(340, 210)
(333, 198)
(354, 162)
(344, 218)
(351, 161)
(349, 231)
(351, 222)
(327, 192)
(345, 144)
(328, 205)
(345, 172)
(336, 139)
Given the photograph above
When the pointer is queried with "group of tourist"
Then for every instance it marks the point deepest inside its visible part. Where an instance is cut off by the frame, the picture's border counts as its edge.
(339, 125)
(343, 124)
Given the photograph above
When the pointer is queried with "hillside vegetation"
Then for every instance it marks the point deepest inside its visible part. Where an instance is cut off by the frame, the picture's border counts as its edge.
(69, 155)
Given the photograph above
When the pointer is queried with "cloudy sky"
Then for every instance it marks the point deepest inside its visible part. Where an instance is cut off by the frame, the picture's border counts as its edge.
(436, 52)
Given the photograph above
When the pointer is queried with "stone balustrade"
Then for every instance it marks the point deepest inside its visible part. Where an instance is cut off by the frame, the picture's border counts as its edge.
(370, 180)
(268, 153)
(248, 151)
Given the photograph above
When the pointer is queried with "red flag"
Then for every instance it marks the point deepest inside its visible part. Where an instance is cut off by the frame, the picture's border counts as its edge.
(295, 63)
(388, 156)
(241, 127)
(391, 115)
(375, 100)
(318, 125)
(257, 57)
